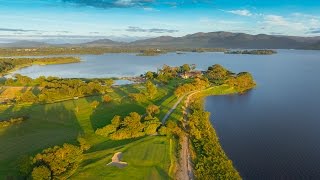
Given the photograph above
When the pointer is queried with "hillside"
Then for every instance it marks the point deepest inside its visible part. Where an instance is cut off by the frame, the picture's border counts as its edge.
(198, 40)
(315, 46)
(227, 40)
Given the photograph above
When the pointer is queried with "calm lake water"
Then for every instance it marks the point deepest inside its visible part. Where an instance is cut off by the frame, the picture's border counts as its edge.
(272, 132)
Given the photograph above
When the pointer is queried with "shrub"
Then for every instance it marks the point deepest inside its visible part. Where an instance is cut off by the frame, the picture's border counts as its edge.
(107, 99)
(41, 173)
(94, 104)
(163, 131)
(84, 145)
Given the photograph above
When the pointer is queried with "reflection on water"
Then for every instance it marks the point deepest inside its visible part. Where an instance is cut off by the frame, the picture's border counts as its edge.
(270, 133)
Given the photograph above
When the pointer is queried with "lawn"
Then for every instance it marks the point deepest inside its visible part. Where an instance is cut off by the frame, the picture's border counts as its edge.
(54, 124)
(147, 158)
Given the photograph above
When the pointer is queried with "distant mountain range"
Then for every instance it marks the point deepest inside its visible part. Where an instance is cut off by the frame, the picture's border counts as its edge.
(198, 40)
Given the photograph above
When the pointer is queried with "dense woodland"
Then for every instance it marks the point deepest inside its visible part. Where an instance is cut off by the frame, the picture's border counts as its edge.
(8, 64)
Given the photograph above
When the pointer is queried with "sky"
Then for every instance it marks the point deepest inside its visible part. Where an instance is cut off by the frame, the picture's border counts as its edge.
(58, 21)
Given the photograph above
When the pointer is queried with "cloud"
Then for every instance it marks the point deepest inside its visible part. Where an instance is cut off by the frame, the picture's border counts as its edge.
(111, 3)
(133, 3)
(16, 30)
(314, 31)
(295, 23)
(151, 9)
(276, 20)
(240, 12)
(152, 30)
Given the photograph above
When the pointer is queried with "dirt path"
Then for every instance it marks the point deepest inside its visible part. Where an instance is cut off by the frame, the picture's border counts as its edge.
(185, 170)
(185, 166)
(164, 119)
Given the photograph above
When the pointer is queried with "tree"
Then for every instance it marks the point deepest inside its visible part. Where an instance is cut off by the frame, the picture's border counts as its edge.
(84, 145)
(244, 82)
(151, 89)
(94, 104)
(111, 128)
(163, 131)
(185, 68)
(116, 121)
(41, 173)
(107, 99)
(149, 75)
(132, 121)
(59, 159)
(28, 97)
(217, 74)
(152, 110)
(109, 82)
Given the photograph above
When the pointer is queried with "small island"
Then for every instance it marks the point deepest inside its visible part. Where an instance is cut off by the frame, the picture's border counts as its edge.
(253, 52)
(151, 52)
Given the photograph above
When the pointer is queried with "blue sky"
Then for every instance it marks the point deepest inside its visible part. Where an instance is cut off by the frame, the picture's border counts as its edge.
(126, 20)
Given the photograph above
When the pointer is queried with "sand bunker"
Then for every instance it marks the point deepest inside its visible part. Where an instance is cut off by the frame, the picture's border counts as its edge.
(116, 161)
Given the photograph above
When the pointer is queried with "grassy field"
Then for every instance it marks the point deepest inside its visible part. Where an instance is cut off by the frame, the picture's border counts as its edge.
(62, 122)
(147, 158)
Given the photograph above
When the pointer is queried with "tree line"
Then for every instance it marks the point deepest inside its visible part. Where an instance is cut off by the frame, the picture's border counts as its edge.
(132, 126)
(210, 161)
(8, 64)
(53, 88)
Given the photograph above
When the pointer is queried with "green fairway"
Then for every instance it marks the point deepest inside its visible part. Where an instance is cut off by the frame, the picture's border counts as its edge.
(54, 124)
(147, 158)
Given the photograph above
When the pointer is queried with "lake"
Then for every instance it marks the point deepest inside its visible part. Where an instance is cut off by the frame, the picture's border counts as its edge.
(271, 132)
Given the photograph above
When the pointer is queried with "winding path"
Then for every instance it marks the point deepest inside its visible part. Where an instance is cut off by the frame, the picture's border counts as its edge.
(164, 119)
(185, 171)
(185, 167)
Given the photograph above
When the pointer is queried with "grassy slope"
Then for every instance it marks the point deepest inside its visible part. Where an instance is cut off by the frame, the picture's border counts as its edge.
(55, 124)
(147, 158)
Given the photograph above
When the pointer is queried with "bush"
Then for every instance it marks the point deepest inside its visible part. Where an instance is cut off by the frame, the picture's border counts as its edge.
(28, 97)
(84, 145)
(163, 131)
(107, 99)
(41, 173)
(151, 111)
(12, 121)
(138, 97)
(94, 104)
(151, 128)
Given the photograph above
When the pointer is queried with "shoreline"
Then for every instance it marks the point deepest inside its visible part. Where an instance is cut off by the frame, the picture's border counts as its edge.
(18, 67)
(188, 146)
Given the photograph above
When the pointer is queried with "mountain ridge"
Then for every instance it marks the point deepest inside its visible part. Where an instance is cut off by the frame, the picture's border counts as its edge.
(219, 39)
